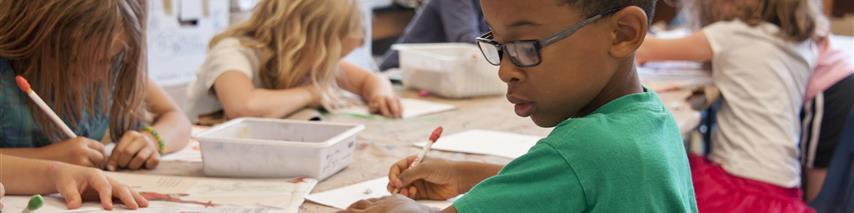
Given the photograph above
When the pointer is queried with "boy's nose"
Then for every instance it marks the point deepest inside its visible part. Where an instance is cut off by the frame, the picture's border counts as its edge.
(509, 73)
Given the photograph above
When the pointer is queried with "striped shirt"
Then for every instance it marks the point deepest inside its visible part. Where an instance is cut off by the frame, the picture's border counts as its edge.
(17, 127)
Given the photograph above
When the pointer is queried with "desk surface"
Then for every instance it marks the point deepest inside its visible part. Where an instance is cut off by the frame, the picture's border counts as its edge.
(386, 141)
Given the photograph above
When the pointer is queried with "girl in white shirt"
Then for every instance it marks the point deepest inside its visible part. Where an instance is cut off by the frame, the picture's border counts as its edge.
(762, 53)
(286, 57)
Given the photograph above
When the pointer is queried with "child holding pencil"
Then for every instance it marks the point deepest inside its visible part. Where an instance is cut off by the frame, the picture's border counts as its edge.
(86, 60)
(287, 57)
(22, 176)
(762, 54)
(569, 65)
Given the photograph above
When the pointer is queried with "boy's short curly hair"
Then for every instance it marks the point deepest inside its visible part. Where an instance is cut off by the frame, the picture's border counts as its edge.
(594, 7)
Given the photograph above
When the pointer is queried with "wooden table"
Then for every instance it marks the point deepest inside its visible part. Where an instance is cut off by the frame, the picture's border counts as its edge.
(385, 141)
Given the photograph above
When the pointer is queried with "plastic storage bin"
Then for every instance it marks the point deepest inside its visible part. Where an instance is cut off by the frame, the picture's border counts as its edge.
(451, 70)
(273, 148)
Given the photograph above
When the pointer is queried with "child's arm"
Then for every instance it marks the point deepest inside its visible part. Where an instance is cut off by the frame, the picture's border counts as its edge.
(240, 98)
(140, 149)
(28, 176)
(437, 179)
(373, 88)
(692, 48)
(78, 151)
(169, 121)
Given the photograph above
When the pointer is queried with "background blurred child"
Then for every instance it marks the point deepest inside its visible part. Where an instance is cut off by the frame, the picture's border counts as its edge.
(286, 57)
(86, 59)
(762, 53)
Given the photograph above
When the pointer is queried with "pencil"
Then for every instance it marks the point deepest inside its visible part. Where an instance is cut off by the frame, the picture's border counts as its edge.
(25, 86)
(433, 138)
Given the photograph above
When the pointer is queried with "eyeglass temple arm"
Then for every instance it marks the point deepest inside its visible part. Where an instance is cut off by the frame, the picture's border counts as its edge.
(563, 34)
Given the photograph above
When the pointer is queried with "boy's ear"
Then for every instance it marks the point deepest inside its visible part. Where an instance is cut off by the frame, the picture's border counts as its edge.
(629, 27)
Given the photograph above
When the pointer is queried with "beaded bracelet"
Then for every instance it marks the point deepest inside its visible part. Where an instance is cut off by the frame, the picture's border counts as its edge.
(160, 143)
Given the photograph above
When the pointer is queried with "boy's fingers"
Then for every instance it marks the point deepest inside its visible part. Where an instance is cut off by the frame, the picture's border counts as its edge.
(361, 204)
(394, 104)
(409, 176)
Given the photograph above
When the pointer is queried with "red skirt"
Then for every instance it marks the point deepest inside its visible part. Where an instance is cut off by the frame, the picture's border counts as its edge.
(718, 191)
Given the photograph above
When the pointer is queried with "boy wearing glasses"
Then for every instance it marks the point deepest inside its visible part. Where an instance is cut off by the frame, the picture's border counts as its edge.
(569, 64)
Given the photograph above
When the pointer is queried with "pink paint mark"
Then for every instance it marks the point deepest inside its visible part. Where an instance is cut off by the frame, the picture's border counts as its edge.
(174, 198)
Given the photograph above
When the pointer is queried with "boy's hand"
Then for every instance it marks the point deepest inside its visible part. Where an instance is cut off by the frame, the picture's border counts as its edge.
(78, 151)
(432, 179)
(385, 105)
(394, 203)
(134, 151)
(75, 183)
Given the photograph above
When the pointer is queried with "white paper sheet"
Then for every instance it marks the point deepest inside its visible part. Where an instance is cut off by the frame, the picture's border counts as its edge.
(278, 193)
(670, 75)
(56, 204)
(411, 108)
(486, 142)
(342, 197)
(190, 153)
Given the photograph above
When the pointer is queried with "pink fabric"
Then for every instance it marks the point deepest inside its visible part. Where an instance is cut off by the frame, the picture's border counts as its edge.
(832, 66)
(718, 191)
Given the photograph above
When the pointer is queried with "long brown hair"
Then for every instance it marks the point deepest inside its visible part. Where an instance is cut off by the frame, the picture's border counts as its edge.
(63, 47)
(797, 19)
(299, 40)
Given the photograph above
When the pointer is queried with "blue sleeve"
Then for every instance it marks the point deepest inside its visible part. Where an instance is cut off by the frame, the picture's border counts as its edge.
(461, 19)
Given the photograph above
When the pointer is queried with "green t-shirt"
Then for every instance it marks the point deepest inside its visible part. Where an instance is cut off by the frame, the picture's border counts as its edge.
(627, 156)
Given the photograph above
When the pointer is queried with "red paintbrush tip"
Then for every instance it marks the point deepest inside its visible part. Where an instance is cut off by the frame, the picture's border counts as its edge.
(23, 84)
(436, 134)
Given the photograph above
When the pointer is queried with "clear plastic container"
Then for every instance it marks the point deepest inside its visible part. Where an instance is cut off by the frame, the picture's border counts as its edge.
(451, 70)
(275, 148)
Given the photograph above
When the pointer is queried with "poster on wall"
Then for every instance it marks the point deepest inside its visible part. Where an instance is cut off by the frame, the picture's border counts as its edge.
(178, 35)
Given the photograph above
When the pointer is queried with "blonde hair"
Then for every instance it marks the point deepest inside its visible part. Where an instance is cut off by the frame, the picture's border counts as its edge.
(798, 20)
(300, 40)
(63, 48)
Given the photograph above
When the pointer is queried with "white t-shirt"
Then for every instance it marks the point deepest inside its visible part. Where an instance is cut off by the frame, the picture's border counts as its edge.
(227, 55)
(762, 79)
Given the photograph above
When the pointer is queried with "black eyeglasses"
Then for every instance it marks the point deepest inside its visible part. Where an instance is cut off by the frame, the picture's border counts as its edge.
(526, 53)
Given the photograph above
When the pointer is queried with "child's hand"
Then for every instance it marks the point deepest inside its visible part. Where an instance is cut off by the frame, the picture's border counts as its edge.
(75, 183)
(386, 105)
(134, 151)
(78, 151)
(2, 193)
(432, 179)
(316, 97)
(394, 203)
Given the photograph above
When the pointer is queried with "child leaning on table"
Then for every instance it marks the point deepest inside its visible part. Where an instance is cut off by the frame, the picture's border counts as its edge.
(86, 59)
(569, 65)
(286, 57)
(762, 54)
